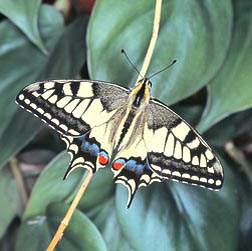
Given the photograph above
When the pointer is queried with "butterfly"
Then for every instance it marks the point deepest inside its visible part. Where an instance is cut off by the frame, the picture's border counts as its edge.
(105, 124)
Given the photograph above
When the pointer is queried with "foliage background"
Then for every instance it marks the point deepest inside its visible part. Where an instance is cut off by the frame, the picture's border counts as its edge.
(210, 86)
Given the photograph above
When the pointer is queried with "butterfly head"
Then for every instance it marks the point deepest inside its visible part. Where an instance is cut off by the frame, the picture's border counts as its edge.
(140, 94)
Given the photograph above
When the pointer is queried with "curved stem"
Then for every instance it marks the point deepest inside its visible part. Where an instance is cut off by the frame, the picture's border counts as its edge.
(153, 40)
(64, 223)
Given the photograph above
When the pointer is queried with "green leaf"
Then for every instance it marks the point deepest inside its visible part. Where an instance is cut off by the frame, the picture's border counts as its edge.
(100, 190)
(11, 204)
(24, 14)
(167, 216)
(192, 33)
(35, 233)
(15, 49)
(50, 186)
(230, 128)
(64, 60)
(174, 216)
(171, 216)
(16, 134)
(245, 191)
(105, 218)
(98, 199)
(230, 91)
(68, 55)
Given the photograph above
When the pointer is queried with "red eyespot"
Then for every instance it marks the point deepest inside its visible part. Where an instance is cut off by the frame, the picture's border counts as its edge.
(103, 157)
(117, 165)
(103, 160)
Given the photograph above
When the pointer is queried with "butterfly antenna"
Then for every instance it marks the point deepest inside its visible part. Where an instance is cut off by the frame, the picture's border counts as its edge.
(156, 73)
(130, 62)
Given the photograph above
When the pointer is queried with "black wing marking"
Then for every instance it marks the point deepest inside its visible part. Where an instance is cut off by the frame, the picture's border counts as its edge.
(72, 107)
(177, 151)
(131, 168)
(134, 177)
(85, 151)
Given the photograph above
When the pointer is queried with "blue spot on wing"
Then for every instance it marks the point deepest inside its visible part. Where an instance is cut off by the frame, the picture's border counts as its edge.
(94, 149)
(86, 146)
(130, 164)
(121, 161)
(104, 154)
(139, 168)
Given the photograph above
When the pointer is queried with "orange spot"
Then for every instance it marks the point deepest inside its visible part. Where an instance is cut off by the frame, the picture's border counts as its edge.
(103, 160)
(117, 165)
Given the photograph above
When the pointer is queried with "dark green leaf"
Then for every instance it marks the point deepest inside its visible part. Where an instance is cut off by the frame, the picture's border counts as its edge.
(15, 49)
(11, 204)
(245, 191)
(174, 216)
(50, 186)
(98, 199)
(166, 216)
(9, 141)
(33, 234)
(100, 189)
(230, 128)
(230, 91)
(66, 55)
(81, 235)
(192, 33)
(24, 14)
(105, 218)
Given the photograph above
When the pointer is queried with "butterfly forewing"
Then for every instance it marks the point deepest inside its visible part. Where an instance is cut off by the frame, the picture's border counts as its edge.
(72, 107)
(177, 151)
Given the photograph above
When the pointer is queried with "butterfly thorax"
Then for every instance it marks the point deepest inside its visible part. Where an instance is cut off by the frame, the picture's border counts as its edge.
(140, 94)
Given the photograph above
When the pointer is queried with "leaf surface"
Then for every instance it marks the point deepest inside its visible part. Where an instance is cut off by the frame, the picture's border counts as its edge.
(230, 90)
(24, 14)
(192, 33)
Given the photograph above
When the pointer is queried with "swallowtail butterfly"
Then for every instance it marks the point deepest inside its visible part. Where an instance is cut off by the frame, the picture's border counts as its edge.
(107, 124)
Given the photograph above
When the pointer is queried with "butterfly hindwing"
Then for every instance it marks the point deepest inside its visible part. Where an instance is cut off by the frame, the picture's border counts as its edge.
(72, 107)
(133, 179)
(131, 168)
(86, 152)
(177, 151)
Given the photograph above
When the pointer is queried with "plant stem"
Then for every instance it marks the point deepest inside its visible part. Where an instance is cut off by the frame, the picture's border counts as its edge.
(19, 179)
(239, 157)
(153, 40)
(68, 215)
